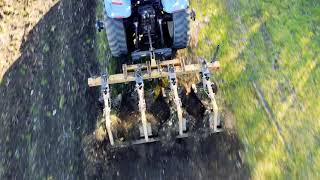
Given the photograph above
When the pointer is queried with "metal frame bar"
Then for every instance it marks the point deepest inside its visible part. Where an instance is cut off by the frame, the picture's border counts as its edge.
(156, 72)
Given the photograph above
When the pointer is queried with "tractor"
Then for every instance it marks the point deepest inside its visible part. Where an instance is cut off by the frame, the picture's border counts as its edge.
(149, 33)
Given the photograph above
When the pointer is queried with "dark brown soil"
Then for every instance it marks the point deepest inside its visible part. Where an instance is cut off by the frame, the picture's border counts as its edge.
(48, 115)
(46, 108)
(201, 156)
(217, 156)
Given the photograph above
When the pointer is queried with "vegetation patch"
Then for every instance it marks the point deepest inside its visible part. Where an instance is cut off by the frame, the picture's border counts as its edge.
(275, 43)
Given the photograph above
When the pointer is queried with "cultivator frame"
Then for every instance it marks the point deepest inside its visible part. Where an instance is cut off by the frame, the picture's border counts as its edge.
(170, 69)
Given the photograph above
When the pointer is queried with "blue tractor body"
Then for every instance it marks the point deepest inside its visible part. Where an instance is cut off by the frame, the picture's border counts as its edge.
(118, 8)
(155, 28)
(122, 8)
(171, 6)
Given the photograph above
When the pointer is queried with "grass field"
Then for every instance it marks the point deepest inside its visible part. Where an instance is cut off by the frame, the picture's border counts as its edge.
(277, 45)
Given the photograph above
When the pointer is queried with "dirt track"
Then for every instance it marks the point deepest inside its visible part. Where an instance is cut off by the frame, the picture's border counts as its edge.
(47, 110)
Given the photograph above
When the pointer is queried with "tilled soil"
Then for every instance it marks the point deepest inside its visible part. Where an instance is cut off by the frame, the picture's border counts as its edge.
(48, 115)
(216, 156)
(46, 107)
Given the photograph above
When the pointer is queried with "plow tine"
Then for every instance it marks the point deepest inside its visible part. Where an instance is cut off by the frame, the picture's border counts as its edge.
(214, 106)
(107, 107)
(206, 75)
(174, 89)
(107, 111)
(194, 88)
(163, 92)
(142, 103)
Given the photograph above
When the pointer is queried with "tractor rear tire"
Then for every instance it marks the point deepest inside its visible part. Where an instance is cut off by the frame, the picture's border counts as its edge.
(116, 36)
(181, 29)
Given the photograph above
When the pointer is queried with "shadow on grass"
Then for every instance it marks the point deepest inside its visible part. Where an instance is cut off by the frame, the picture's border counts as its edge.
(46, 107)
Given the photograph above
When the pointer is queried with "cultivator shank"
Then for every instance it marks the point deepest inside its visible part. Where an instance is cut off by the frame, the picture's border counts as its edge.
(170, 69)
(142, 102)
(177, 101)
(208, 85)
(105, 91)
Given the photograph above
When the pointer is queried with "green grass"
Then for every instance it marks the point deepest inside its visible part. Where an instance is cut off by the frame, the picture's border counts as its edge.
(276, 44)
(44, 81)
(62, 102)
